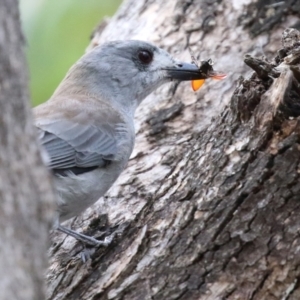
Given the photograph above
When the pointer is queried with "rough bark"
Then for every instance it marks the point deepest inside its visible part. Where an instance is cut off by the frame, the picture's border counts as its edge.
(25, 193)
(210, 197)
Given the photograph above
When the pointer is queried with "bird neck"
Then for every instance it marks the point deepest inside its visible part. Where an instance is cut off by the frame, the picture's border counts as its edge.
(78, 90)
(82, 84)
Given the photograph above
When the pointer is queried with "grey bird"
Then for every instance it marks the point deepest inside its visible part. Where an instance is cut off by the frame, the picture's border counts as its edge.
(87, 127)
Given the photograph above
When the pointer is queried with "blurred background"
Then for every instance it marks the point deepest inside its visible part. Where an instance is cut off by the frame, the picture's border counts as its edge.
(57, 33)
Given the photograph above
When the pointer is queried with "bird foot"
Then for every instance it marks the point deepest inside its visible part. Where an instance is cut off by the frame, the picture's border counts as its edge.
(88, 239)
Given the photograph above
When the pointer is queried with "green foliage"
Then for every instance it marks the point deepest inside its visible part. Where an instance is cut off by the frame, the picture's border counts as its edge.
(57, 33)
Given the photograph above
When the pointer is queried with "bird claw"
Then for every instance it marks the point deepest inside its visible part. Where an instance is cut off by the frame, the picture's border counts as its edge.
(88, 239)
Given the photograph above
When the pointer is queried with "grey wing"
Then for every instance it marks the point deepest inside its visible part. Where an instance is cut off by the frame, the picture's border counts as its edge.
(72, 145)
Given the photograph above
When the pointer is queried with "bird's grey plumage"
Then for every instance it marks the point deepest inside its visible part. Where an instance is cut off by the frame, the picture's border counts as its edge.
(70, 142)
(87, 125)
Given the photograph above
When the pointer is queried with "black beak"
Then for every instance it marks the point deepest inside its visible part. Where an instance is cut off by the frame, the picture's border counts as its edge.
(185, 71)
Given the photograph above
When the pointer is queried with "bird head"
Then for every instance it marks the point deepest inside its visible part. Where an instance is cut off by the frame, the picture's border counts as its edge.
(126, 72)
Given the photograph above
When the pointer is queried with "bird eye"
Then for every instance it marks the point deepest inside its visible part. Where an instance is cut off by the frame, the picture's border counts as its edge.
(145, 56)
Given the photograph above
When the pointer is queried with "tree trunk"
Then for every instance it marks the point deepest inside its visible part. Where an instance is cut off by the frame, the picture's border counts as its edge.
(26, 197)
(210, 197)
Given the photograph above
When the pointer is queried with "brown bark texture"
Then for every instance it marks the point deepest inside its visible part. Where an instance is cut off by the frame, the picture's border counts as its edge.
(209, 202)
(25, 193)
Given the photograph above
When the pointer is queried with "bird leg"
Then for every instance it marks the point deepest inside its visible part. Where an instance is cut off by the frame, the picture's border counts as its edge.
(87, 239)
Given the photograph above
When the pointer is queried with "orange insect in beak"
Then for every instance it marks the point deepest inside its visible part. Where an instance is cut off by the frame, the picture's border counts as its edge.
(197, 84)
